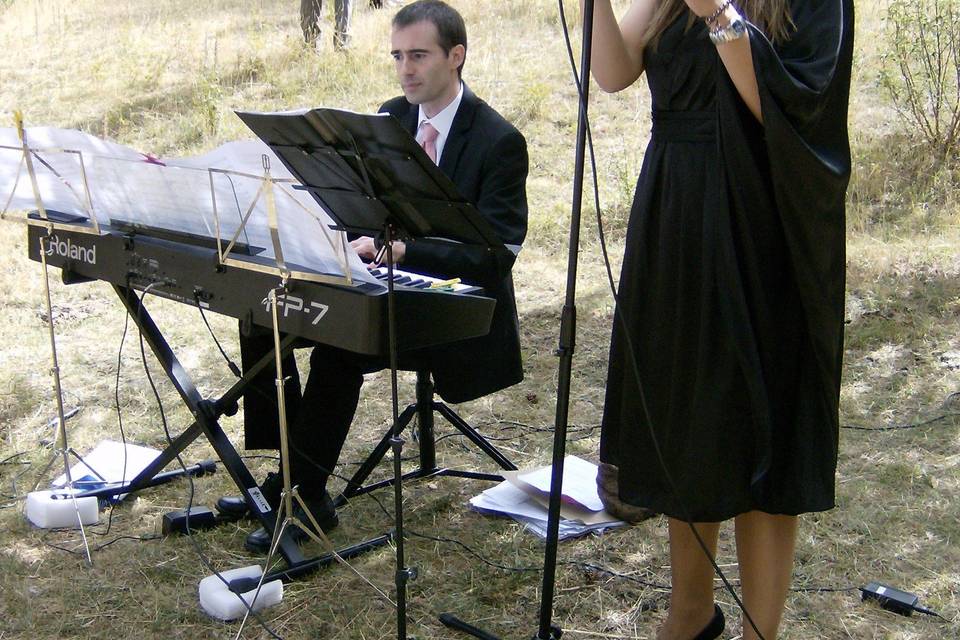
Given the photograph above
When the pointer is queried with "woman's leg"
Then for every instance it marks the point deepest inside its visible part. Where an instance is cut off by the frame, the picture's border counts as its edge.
(691, 578)
(765, 547)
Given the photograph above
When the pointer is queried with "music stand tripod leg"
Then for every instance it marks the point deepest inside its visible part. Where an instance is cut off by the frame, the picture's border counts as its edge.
(286, 517)
(64, 448)
(403, 573)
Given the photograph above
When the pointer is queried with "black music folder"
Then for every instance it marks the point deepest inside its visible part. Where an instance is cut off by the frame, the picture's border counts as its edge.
(367, 171)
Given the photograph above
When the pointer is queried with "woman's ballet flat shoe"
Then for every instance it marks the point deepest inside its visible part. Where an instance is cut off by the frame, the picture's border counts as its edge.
(714, 628)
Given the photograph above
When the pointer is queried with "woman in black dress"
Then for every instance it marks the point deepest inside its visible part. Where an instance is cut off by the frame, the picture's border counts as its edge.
(731, 295)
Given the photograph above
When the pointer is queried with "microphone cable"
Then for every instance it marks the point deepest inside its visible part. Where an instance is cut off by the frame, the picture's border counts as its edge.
(234, 369)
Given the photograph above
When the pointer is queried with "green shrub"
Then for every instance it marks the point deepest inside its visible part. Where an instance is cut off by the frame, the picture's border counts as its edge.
(921, 70)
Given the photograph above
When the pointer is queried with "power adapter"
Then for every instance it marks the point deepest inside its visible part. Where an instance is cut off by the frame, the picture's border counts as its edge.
(200, 518)
(891, 599)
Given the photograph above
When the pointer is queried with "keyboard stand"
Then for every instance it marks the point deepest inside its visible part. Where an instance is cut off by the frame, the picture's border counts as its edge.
(423, 408)
(206, 415)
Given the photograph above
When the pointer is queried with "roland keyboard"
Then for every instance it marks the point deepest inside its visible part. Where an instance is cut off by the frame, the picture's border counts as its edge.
(185, 268)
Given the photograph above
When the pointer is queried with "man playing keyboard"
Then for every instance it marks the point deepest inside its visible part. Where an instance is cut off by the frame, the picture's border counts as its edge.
(486, 158)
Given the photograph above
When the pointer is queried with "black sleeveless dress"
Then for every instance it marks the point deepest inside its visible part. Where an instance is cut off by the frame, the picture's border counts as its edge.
(731, 290)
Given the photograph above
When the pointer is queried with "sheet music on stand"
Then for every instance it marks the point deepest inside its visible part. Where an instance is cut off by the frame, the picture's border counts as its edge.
(367, 171)
(96, 185)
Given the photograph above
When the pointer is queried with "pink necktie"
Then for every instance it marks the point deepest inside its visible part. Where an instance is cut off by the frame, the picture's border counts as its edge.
(429, 140)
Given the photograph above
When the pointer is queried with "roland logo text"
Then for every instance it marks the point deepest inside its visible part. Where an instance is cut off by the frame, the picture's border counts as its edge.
(66, 249)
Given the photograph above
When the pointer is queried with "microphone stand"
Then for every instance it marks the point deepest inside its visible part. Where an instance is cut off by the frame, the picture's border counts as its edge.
(567, 343)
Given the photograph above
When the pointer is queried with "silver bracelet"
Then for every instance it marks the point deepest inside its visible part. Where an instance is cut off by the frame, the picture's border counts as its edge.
(733, 31)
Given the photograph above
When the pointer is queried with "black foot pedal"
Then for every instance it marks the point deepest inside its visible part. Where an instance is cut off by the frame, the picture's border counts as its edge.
(200, 518)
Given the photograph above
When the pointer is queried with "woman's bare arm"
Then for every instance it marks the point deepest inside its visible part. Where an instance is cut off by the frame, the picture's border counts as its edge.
(735, 55)
(617, 57)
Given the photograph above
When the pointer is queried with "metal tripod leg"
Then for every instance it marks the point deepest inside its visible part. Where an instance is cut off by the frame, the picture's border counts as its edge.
(424, 408)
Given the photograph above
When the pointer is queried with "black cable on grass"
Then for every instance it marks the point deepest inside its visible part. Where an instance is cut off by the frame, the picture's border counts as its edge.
(587, 432)
(914, 425)
(356, 463)
(474, 553)
(902, 427)
(9, 460)
(123, 435)
(514, 424)
(260, 456)
(623, 576)
(26, 466)
(12, 461)
(78, 552)
(823, 589)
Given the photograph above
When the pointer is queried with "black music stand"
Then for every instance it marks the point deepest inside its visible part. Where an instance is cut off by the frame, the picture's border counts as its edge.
(368, 173)
(372, 178)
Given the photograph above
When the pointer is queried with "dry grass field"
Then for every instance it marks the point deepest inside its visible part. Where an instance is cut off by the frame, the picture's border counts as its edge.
(164, 77)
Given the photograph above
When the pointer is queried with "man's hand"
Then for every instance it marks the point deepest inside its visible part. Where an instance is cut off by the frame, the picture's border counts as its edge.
(367, 249)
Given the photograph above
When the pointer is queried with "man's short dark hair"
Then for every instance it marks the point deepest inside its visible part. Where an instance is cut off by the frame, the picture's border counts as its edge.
(449, 23)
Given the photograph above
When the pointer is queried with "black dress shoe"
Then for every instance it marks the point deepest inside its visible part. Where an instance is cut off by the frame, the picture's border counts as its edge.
(714, 628)
(322, 510)
(236, 506)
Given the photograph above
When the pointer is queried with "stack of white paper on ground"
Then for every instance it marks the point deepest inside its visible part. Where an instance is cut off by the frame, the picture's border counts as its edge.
(109, 463)
(525, 497)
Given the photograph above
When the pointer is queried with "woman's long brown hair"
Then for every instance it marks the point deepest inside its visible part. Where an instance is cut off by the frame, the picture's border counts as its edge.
(771, 16)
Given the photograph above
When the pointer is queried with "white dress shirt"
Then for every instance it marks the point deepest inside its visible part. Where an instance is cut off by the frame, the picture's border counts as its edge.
(442, 122)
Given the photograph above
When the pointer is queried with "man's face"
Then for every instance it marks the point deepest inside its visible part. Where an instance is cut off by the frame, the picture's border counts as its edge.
(427, 75)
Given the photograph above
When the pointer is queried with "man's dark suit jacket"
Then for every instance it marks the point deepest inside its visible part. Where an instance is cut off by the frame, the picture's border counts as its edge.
(486, 158)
